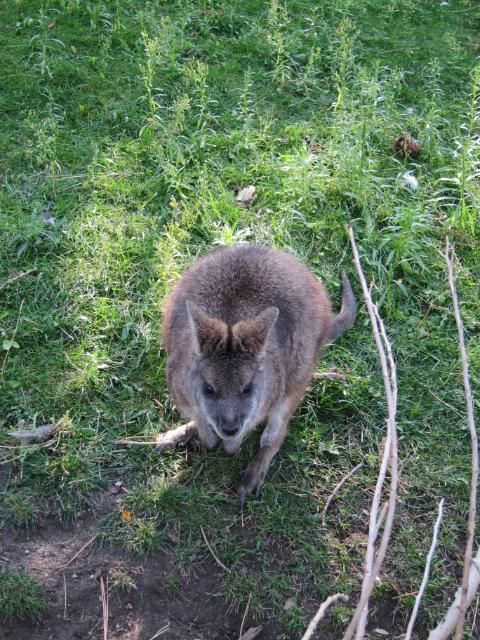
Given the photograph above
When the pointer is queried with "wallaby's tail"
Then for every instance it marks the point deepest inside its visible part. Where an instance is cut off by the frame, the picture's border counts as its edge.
(346, 318)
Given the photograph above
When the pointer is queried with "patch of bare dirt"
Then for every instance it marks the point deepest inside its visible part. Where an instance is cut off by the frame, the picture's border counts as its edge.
(74, 596)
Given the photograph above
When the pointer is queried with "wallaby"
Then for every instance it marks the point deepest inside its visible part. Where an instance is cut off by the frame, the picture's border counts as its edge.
(243, 329)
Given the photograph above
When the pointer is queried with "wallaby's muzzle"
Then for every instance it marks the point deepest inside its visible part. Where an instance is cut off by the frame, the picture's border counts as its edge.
(228, 428)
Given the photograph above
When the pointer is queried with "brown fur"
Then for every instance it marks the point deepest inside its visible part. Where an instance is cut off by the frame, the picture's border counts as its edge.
(243, 330)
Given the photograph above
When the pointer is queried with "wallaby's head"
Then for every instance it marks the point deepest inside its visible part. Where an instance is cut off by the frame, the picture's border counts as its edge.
(228, 372)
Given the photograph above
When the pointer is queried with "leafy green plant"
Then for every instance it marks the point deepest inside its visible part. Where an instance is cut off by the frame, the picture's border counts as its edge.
(19, 510)
(20, 596)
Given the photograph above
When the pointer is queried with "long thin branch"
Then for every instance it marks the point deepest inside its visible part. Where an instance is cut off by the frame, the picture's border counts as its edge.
(374, 561)
(443, 630)
(426, 573)
(87, 544)
(215, 557)
(449, 258)
(462, 600)
(322, 610)
(337, 489)
(8, 282)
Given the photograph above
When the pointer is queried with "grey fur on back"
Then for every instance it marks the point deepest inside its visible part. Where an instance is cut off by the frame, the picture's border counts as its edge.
(233, 359)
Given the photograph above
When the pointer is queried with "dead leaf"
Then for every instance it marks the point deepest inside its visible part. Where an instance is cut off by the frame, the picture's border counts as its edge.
(34, 436)
(289, 604)
(246, 196)
(252, 633)
(126, 515)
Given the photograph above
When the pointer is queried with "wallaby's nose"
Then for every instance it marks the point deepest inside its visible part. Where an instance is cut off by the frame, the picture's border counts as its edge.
(228, 427)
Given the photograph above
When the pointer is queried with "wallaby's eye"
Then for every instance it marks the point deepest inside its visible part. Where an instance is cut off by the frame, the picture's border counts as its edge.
(247, 389)
(208, 390)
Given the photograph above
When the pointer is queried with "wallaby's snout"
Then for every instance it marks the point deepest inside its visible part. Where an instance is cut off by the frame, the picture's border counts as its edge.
(227, 392)
(229, 428)
(227, 415)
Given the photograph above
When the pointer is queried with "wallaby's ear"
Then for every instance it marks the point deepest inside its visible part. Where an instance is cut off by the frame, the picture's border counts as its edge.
(208, 333)
(251, 335)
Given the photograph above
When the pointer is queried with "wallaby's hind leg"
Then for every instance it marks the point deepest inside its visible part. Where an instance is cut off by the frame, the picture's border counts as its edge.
(270, 442)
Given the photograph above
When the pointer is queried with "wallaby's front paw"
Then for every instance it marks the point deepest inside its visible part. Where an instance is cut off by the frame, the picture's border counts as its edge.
(252, 480)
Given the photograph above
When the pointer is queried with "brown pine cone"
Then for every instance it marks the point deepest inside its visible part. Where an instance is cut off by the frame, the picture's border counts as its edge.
(406, 145)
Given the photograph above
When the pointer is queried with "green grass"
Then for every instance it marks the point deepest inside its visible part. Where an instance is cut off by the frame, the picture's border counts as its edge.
(127, 128)
(20, 596)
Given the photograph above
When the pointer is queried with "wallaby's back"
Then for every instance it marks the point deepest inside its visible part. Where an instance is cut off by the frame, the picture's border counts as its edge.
(238, 283)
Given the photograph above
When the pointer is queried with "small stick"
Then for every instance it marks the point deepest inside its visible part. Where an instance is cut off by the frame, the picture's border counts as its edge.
(104, 595)
(244, 616)
(328, 375)
(475, 613)
(89, 542)
(144, 442)
(322, 610)
(337, 489)
(381, 518)
(64, 597)
(168, 439)
(160, 632)
(252, 633)
(426, 573)
(15, 278)
(449, 258)
(219, 562)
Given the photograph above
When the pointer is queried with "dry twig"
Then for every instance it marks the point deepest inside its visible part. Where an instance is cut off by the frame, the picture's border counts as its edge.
(64, 597)
(13, 279)
(426, 573)
(329, 375)
(104, 595)
(141, 442)
(244, 616)
(251, 633)
(455, 616)
(337, 489)
(373, 561)
(322, 610)
(449, 258)
(215, 557)
(160, 632)
(167, 440)
(87, 544)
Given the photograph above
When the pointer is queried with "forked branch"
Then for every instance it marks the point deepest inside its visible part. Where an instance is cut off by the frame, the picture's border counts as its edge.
(455, 616)
(322, 610)
(374, 558)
